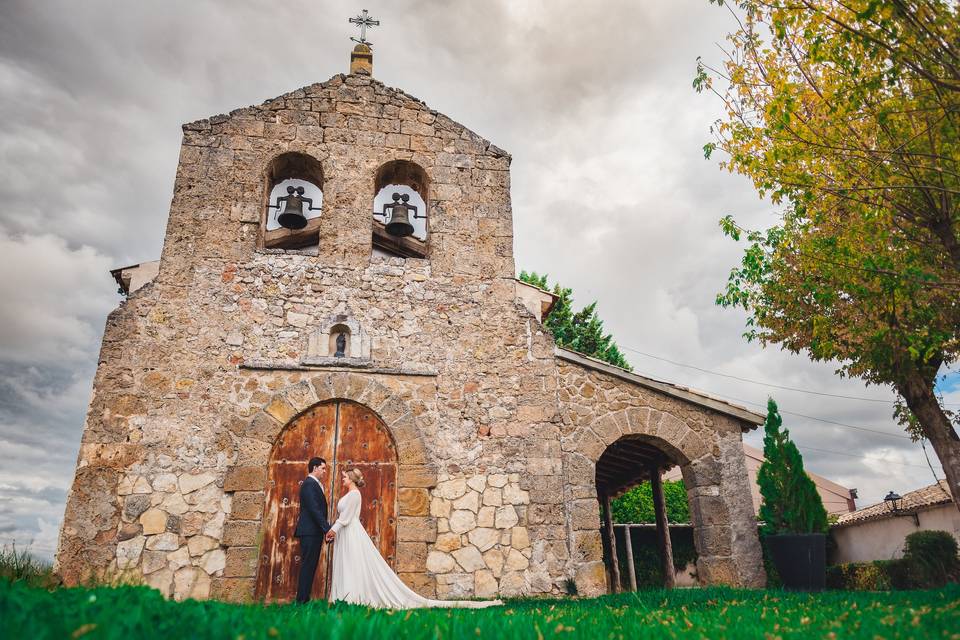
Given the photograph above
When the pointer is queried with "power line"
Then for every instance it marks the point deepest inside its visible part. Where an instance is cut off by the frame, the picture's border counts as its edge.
(832, 422)
(801, 415)
(862, 457)
(765, 384)
(926, 455)
(838, 424)
(758, 382)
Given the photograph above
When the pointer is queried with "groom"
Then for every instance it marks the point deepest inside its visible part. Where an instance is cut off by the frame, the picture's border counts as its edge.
(312, 525)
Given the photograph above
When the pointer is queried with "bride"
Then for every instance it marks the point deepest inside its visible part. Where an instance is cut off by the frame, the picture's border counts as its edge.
(360, 574)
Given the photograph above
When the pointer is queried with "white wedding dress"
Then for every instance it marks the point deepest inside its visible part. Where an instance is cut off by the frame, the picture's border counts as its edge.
(362, 576)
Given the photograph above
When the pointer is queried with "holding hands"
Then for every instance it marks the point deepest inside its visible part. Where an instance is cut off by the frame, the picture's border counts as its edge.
(330, 535)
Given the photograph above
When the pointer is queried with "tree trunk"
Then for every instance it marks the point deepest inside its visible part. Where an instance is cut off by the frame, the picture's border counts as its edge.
(943, 228)
(919, 395)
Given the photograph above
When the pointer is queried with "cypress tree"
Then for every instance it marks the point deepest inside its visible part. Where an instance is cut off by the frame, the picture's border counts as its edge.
(581, 331)
(791, 503)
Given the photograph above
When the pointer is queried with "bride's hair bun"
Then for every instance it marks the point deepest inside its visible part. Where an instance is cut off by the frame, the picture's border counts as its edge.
(357, 476)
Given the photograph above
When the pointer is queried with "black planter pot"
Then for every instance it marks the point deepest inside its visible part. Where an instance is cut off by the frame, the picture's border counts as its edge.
(800, 558)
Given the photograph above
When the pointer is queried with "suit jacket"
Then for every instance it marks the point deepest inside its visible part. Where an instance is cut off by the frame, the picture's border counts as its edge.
(313, 510)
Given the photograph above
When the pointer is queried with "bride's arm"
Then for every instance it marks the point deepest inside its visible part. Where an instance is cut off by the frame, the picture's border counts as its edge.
(351, 509)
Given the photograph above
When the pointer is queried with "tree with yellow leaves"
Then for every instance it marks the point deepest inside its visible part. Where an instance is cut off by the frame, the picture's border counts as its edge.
(846, 115)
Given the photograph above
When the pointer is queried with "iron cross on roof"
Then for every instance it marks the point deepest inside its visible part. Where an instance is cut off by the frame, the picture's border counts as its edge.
(363, 21)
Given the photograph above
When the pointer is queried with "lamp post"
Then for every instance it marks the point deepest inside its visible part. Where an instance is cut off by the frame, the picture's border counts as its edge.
(895, 504)
(893, 500)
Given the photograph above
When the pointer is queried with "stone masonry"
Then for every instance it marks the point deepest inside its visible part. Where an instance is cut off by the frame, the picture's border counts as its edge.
(497, 432)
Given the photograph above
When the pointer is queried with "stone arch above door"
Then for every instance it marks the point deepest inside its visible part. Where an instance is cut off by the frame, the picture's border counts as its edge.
(714, 473)
(246, 481)
(287, 404)
(667, 431)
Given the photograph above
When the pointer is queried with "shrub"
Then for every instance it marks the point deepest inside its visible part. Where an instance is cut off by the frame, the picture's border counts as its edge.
(929, 561)
(791, 503)
(636, 505)
(931, 557)
(899, 572)
(879, 575)
(860, 576)
(19, 565)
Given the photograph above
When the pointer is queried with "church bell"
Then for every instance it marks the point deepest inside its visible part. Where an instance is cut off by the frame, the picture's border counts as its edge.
(292, 216)
(398, 214)
(399, 224)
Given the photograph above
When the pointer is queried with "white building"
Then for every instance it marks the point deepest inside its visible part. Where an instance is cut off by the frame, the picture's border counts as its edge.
(877, 533)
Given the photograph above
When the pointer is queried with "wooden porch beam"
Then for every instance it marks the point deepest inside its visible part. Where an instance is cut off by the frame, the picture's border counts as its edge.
(663, 528)
(631, 568)
(614, 561)
(625, 461)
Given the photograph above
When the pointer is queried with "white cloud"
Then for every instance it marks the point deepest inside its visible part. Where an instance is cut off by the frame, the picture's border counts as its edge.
(54, 300)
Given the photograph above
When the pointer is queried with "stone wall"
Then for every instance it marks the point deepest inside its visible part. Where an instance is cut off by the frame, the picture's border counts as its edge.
(202, 368)
(480, 540)
(598, 410)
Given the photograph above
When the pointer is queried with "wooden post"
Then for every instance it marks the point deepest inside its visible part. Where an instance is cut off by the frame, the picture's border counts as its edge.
(631, 569)
(663, 528)
(612, 537)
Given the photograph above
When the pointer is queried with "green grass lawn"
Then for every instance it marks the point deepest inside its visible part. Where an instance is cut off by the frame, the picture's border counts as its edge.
(138, 612)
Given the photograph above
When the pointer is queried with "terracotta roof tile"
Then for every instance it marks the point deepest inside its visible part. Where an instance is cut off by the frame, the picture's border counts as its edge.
(923, 498)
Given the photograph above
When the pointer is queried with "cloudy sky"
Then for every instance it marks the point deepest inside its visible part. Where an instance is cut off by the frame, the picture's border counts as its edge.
(612, 196)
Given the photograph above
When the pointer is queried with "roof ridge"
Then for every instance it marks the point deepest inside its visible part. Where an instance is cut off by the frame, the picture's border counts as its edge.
(684, 393)
(925, 497)
(339, 79)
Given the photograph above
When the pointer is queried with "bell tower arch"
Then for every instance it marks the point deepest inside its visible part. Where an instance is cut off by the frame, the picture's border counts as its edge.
(400, 202)
(294, 201)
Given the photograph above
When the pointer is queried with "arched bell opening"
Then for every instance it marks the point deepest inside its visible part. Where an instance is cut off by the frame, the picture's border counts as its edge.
(294, 200)
(625, 464)
(400, 213)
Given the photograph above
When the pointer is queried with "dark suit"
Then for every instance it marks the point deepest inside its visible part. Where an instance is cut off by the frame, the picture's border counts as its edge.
(312, 525)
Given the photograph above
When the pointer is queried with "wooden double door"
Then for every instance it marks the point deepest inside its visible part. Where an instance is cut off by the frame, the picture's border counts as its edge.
(346, 435)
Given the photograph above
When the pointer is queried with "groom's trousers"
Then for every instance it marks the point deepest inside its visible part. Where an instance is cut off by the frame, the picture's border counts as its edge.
(310, 547)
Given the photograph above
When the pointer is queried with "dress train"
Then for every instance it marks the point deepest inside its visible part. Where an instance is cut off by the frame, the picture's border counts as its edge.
(362, 576)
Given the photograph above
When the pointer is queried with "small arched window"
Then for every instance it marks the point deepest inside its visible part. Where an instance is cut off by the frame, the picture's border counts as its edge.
(294, 201)
(339, 344)
(339, 340)
(400, 182)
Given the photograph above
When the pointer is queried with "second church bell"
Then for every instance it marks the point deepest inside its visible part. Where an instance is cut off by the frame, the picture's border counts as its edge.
(292, 216)
(399, 224)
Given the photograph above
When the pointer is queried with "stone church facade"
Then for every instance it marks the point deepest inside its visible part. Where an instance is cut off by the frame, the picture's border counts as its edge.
(487, 440)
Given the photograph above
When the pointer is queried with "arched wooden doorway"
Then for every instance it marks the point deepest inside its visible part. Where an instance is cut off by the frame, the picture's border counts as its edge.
(345, 434)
